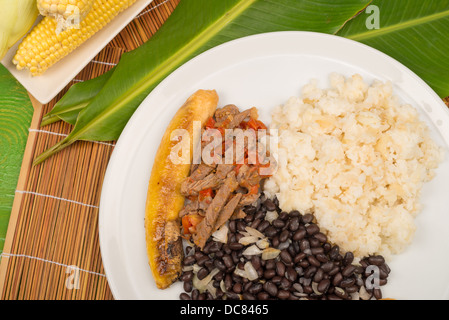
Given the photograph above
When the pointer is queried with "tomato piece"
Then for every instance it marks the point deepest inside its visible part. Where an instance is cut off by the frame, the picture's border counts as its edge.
(189, 222)
(206, 193)
(256, 124)
(210, 123)
(254, 189)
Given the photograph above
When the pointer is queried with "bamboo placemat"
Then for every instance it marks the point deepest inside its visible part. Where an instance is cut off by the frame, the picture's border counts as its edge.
(52, 248)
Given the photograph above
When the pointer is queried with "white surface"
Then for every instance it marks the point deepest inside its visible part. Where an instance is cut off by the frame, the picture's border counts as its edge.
(264, 71)
(45, 87)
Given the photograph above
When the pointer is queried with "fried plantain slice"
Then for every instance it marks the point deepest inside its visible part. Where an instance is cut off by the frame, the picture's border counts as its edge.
(164, 199)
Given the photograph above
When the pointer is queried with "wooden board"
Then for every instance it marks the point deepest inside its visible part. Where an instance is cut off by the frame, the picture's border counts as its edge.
(51, 249)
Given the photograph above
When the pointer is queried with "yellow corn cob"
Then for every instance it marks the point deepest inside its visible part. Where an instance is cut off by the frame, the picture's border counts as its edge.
(43, 46)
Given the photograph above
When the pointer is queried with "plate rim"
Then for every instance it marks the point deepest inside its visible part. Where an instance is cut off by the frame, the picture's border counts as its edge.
(109, 174)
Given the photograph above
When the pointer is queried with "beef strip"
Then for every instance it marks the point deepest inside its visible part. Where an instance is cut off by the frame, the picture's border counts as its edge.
(201, 171)
(227, 211)
(191, 187)
(223, 170)
(189, 207)
(249, 199)
(238, 214)
(239, 118)
(206, 226)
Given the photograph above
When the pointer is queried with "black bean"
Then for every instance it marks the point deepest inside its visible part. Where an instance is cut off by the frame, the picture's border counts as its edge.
(232, 226)
(275, 242)
(319, 275)
(291, 274)
(307, 218)
(283, 294)
(334, 271)
(278, 223)
(276, 280)
(352, 289)
(347, 282)
(286, 257)
(263, 225)
(295, 213)
(309, 272)
(376, 260)
(323, 285)
(348, 271)
(321, 257)
(187, 276)
(280, 268)
(328, 266)
(269, 205)
(263, 295)
(283, 215)
(269, 273)
(227, 260)
(335, 251)
(377, 293)
(270, 288)
(270, 232)
(188, 286)
(256, 262)
(312, 229)
(248, 296)
(284, 236)
(202, 273)
(284, 284)
(232, 295)
(304, 245)
(313, 261)
(299, 235)
(255, 223)
(255, 288)
(189, 260)
(236, 246)
(321, 237)
(348, 259)
(337, 279)
(220, 265)
(299, 257)
(293, 224)
(184, 296)
(237, 287)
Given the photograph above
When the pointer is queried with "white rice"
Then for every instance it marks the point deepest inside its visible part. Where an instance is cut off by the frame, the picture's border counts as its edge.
(356, 158)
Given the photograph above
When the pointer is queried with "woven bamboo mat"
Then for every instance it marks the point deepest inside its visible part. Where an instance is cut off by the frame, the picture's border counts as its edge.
(52, 247)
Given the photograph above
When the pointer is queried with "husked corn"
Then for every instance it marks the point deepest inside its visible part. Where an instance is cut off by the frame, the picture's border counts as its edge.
(44, 46)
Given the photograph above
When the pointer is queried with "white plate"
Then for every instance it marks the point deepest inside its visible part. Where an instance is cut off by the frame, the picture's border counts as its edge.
(264, 71)
(45, 87)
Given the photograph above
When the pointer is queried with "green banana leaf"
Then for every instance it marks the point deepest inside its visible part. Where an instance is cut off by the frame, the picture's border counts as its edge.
(75, 100)
(413, 32)
(194, 27)
(16, 112)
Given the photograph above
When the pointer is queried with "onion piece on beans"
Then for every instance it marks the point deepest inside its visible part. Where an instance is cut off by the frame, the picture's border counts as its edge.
(252, 251)
(221, 235)
(255, 232)
(202, 285)
(248, 240)
(270, 253)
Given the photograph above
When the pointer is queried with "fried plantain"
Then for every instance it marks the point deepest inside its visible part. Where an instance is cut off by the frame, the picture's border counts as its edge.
(164, 199)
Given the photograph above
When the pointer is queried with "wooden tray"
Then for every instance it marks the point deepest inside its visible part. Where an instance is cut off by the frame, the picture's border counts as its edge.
(52, 248)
